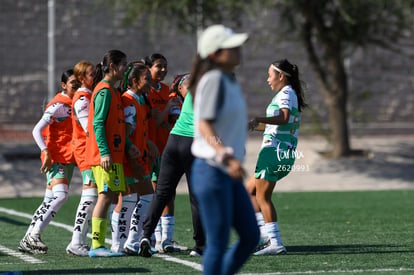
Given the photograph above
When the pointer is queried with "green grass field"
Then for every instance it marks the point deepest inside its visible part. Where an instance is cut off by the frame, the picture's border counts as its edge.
(324, 232)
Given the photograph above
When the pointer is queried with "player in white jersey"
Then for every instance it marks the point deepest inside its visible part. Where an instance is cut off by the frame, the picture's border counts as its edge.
(277, 153)
(53, 135)
(84, 72)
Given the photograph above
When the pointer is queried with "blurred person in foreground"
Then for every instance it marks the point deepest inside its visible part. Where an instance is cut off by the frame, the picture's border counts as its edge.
(220, 120)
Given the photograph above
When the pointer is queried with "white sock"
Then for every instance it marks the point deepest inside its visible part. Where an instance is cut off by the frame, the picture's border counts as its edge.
(48, 196)
(272, 229)
(158, 232)
(128, 204)
(167, 224)
(115, 227)
(259, 218)
(111, 209)
(138, 217)
(83, 216)
(60, 196)
(261, 223)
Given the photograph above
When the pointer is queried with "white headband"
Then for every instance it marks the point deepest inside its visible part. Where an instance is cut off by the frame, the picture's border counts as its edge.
(280, 71)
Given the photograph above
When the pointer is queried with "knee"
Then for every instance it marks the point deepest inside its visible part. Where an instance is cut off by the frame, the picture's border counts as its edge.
(60, 198)
(163, 196)
(263, 198)
(60, 193)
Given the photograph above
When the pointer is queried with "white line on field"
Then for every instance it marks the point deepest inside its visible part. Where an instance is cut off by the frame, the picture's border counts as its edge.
(69, 228)
(193, 265)
(376, 270)
(20, 255)
(184, 262)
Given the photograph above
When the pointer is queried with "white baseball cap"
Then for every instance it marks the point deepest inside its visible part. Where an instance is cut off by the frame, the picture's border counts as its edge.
(218, 37)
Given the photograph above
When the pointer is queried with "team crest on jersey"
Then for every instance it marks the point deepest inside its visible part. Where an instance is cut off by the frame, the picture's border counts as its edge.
(285, 101)
(116, 181)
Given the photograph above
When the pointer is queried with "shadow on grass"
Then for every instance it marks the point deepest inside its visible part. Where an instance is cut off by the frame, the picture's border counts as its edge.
(12, 221)
(347, 249)
(90, 271)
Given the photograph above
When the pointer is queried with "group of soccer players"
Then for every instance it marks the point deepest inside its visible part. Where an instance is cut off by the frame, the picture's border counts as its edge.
(112, 120)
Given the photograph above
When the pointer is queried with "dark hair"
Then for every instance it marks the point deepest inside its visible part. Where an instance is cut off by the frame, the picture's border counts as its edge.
(199, 68)
(149, 60)
(66, 75)
(64, 78)
(178, 80)
(112, 56)
(291, 71)
(134, 70)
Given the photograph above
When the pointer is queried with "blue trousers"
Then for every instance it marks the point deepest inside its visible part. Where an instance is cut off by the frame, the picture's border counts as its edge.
(224, 204)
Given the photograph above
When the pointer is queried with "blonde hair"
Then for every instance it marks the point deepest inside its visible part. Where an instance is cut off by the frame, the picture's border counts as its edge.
(81, 67)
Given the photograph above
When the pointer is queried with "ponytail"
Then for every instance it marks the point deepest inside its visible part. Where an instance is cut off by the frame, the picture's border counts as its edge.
(102, 68)
(134, 70)
(99, 74)
(291, 72)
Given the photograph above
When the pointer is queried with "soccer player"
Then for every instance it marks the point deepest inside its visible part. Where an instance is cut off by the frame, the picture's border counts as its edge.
(220, 132)
(53, 135)
(280, 139)
(160, 128)
(106, 145)
(137, 171)
(84, 72)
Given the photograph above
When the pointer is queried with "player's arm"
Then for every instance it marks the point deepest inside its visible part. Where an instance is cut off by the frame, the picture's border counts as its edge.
(46, 120)
(280, 116)
(160, 118)
(81, 111)
(130, 119)
(130, 114)
(280, 119)
(102, 103)
(224, 155)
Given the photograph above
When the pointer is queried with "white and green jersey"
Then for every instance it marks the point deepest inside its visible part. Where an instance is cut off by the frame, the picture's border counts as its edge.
(285, 136)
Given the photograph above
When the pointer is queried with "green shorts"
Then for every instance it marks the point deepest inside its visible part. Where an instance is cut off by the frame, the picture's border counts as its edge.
(60, 171)
(87, 177)
(155, 171)
(273, 165)
(113, 180)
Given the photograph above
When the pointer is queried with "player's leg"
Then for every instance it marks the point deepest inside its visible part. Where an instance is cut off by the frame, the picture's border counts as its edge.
(78, 245)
